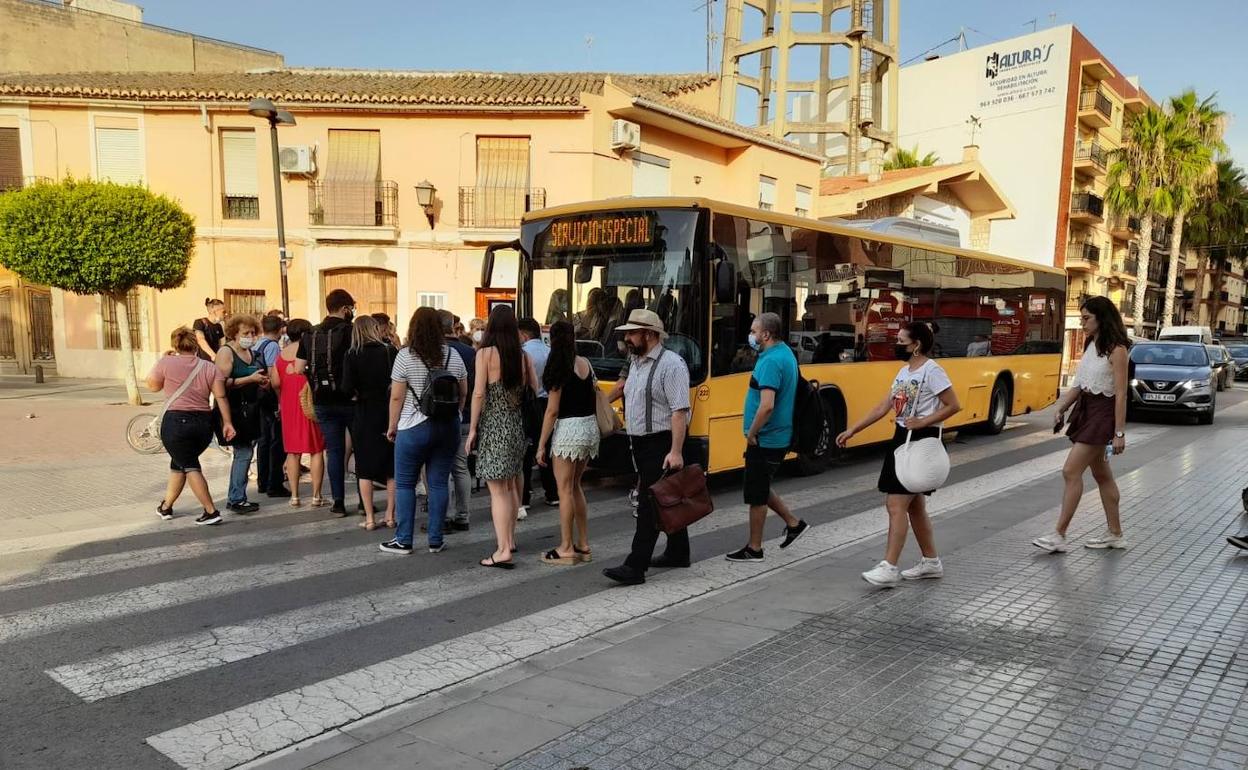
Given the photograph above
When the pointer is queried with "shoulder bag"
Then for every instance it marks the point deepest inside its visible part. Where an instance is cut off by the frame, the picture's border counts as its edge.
(160, 418)
(608, 421)
(681, 498)
(922, 465)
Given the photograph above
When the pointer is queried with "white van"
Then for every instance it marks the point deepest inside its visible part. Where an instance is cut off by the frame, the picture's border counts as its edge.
(1201, 334)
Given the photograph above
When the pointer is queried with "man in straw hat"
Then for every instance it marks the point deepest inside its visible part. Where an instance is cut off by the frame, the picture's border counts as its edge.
(656, 408)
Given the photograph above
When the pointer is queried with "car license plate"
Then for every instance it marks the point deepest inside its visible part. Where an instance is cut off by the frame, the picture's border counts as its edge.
(1159, 396)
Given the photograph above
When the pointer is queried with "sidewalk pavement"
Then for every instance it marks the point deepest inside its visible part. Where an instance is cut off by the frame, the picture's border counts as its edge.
(1017, 658)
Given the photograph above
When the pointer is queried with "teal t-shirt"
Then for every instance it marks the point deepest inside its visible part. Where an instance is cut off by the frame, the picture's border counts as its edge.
(775, 369)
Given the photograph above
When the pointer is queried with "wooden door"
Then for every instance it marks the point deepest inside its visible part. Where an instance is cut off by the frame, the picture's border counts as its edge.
(39, 321)
(488, 298)
(374, 289)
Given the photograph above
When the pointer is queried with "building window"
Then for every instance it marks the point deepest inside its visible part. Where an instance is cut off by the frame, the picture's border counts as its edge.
(433, 299)
(248, 301)
(501, 194)
(10, 160)
(238, 174)
(352, 192)
(652, 175)
(118, 155)
(108, 320)
(766, 193)
(802, 204)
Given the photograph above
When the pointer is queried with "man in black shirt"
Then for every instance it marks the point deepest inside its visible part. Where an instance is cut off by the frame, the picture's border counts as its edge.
(320, 357)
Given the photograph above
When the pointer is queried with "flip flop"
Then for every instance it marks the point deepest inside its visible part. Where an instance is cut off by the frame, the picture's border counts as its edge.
(552, 557)
(489, 562)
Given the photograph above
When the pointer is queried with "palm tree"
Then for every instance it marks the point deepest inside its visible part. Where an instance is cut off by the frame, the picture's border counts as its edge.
(1193, 173)
(903, 158)
(1139, 185)
(1219, 222)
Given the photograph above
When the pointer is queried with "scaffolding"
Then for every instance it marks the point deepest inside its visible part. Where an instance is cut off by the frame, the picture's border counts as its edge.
(866, 97)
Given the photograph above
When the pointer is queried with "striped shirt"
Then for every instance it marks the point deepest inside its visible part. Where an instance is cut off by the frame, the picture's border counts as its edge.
(410, 369)
(670, 391)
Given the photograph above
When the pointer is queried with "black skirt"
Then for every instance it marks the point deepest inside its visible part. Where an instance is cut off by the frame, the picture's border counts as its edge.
(888, 483)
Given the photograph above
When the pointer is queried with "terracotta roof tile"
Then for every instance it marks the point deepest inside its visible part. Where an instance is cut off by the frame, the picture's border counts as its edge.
(842, 184)
(342, 86)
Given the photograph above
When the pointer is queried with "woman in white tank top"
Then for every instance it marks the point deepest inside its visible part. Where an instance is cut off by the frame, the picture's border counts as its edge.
(1098, 420)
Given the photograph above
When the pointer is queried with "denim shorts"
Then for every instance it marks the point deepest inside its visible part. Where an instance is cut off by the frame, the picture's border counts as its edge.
(185, 435)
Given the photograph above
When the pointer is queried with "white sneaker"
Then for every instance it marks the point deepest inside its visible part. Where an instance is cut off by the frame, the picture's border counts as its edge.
(883, 574)
(1053, 543)
(926, 568)
(1107, 540)
(523, 513)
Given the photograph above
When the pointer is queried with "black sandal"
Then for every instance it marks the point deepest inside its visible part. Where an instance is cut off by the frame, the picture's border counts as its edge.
(499, 564)
(552, 557)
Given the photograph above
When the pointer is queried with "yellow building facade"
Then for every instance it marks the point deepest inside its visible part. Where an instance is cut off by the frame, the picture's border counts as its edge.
(491, 145)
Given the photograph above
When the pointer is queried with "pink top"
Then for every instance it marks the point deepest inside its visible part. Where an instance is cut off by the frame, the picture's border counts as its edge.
(172, 371)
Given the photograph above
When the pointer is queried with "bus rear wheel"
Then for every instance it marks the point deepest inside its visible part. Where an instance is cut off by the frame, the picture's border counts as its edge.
(998, 409)
(818, 461)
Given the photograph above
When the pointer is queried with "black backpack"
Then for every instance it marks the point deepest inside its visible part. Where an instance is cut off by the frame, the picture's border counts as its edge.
(440, 401)
(322, 378)
(809, 420)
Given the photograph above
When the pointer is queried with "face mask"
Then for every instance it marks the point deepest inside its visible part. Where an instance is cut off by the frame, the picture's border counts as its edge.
(478, 335)
(246, 342)
(902, 353)
(753, 340)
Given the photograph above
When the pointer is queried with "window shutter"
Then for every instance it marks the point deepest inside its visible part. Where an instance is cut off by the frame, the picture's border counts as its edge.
(803, 199)
(10, 159)
(502, 179)
(767, 191)
(350, 189)
(651, 179)
(238, 156)
(118, 155)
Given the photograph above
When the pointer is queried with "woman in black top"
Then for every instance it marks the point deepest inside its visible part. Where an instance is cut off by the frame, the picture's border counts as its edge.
(208, 330)
(366, 376)
(570, 419)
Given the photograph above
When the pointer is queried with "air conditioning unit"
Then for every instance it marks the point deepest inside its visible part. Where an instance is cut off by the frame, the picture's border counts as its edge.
(625, 135)
(297, 159)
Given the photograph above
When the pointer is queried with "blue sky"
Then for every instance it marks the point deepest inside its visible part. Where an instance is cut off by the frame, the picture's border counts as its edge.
(1170, 45)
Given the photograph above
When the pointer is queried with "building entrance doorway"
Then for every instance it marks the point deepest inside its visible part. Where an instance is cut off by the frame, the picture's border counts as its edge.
(374, 289)
(25, 328)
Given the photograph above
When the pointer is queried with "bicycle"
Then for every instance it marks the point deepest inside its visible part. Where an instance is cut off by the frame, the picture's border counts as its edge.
(143, 434)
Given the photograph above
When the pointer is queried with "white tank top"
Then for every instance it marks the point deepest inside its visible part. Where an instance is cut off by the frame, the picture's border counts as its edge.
(1094, 373)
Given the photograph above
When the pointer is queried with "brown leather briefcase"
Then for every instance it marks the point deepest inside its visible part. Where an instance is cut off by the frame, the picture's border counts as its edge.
(681, 498)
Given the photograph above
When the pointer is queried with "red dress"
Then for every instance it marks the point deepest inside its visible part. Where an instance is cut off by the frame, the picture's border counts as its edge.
(299, 434)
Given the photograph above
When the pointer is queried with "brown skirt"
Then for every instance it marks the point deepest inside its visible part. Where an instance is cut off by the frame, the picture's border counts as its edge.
(1092, 419)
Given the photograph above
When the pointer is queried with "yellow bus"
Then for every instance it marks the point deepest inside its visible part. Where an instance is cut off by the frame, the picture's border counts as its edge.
(708, 268)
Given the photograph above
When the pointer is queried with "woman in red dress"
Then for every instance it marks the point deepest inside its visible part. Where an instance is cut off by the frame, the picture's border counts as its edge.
(299, 434)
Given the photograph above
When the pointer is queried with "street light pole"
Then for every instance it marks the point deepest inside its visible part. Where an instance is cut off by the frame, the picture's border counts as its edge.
(264, 108)
(281, 223)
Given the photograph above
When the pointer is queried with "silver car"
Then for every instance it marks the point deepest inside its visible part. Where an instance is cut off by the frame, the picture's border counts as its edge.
(1171, 377)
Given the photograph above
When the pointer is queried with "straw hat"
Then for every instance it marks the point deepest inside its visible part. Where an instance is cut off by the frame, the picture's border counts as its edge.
(646, 320)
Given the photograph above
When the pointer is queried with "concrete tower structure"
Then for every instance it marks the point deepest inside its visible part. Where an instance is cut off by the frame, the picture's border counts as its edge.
(852, 115)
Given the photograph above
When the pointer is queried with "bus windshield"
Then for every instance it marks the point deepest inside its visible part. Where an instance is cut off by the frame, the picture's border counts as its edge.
(594, 269)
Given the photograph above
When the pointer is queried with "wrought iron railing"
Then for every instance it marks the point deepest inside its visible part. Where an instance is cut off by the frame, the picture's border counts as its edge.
(1087, 203)
(1092, 151)
(1130, 266)
(498, 207)
(353, 204)
(240, 207)
(1095, 99)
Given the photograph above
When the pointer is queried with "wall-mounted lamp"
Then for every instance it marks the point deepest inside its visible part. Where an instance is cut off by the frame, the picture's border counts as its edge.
(425, 191)
(697, 179)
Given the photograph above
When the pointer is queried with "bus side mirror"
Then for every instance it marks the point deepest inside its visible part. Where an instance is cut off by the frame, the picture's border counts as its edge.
(487, 261)
(584, 273)
(725, 282)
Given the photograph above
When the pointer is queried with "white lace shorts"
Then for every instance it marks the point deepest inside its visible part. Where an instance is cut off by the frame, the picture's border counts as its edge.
(575, 438)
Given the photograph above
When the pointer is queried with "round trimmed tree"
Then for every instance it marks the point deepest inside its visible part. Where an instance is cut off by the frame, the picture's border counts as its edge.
(97, 238)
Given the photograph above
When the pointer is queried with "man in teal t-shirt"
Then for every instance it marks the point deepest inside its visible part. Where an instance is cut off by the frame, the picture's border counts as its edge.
(768, 427)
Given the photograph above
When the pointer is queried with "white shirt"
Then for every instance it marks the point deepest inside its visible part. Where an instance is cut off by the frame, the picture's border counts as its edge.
(669, 394)
(917, 393)
(1094, 374)
(410, 369)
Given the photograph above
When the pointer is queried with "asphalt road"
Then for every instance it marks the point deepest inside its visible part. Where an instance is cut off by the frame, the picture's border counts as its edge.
(108, 643)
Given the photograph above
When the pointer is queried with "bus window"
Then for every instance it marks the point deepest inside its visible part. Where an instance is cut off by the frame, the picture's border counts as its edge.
(762, 254)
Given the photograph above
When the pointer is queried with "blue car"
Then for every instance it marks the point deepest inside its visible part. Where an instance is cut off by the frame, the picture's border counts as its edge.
(1239, 352)
(1171, 378)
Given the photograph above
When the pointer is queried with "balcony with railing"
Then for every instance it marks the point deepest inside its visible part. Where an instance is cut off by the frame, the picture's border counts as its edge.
(1127, 306)
(1090, 158)
(497, 208)
(1087, 207)
(1128, 266)
(1095, 108)
(349, 210)
(1075, 300)
(240, 207)
(1083, 257)
(1124, 228)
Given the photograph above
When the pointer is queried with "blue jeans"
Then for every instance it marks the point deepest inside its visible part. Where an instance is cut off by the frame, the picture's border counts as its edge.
(238, 472)
(430, 445)
(335, 420)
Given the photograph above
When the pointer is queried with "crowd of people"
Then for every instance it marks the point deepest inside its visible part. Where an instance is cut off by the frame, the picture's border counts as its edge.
(491, 401)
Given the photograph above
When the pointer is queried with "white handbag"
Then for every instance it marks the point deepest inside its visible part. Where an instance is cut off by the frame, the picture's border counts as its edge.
(923, 465)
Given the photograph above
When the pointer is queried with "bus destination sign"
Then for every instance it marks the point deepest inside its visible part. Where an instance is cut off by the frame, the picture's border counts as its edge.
(601, 231)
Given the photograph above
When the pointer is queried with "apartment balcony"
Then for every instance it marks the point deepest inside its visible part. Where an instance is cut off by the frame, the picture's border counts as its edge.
(354, 211)
(1127, 307)
(1087, 207)
(1083, 257)
(490, 209)
(1090, 158)
(1095, 108)
(1128, 267)
(1075, 301)
(1124, 228)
